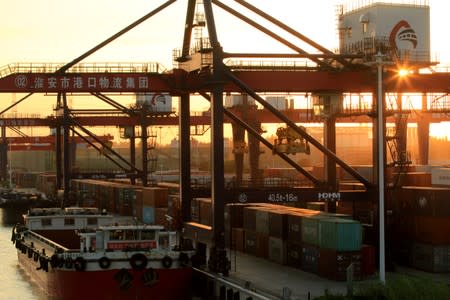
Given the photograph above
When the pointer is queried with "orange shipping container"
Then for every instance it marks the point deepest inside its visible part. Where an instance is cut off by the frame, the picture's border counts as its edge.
(432, 230)
(155, 196)
(237, 239)
(205, 211)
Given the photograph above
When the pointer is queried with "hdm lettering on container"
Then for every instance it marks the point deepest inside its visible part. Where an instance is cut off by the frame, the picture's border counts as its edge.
(335, 196)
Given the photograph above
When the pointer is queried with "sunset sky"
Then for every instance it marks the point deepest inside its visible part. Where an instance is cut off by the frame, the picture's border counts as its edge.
(61, 30)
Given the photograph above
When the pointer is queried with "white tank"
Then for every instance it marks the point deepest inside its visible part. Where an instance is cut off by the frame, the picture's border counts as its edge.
(401, 28)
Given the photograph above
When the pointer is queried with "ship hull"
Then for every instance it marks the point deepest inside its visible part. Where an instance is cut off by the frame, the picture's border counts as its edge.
(111, 284)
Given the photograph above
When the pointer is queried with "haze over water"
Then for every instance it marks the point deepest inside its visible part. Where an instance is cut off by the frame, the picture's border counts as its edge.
(14, 284)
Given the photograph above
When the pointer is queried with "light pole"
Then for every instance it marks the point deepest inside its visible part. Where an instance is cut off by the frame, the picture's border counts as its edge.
(381, 148)
(10, 166)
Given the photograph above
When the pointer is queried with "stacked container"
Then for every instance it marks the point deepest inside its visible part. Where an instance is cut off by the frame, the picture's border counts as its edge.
(314, 241)
(422, 223)
(155, 205)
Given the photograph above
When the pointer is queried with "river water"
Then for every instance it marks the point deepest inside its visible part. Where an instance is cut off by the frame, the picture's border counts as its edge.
(14, 283)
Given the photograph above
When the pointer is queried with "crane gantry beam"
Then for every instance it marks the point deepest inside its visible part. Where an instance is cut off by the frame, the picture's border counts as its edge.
(179, 82)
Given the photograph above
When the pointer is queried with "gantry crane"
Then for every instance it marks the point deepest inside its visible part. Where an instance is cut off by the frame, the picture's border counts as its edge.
(206, 69)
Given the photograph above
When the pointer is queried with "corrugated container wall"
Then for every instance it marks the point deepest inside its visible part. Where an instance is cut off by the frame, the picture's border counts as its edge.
(340, 234)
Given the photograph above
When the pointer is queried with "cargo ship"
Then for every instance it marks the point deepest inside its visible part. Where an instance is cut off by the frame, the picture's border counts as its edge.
(76, 253)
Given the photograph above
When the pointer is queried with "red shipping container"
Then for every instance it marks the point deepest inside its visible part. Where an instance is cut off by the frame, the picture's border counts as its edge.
(237, 239)
(368, 260)
(432, 230)
(334, 264)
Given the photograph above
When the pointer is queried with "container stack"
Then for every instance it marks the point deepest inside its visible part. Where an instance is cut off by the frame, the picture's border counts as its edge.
(46, 183)
(154, 206)
(422, 223)
(314, 241)
(151, 205)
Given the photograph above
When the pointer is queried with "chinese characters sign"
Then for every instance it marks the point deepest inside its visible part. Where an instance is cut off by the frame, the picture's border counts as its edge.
(88, 82)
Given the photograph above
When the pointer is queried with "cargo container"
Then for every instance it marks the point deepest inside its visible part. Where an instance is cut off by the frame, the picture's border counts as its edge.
(161, 217)
(311, 229)
(413, 179)
(432, 230)
(174, 211)
(249, 218)
(148, 214)
(294, 220)
(278, 102)
(262, 245)
(339, 234)
(334, 264)
(250, 242)
(294, 254)
(368, 260)
(310, 258)
(238, 100)
(431, 258)
(277, 250)
(320, 206)
(423, 201)
(155, 196)
(278, 224)
(205, 211)
(440, 177)
(262, 220)
(237, 239)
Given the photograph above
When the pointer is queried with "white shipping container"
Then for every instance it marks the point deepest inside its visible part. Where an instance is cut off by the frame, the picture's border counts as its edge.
(235, 100)
(440, 177)
(278, 102)
(157, 102)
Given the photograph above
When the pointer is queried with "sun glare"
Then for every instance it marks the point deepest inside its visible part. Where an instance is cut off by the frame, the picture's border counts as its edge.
(403, 72)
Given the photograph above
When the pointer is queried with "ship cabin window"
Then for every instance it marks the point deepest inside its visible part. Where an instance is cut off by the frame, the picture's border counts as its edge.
(130, 235)
(116, 235)
(69, 221)
(92, 221)
(164, 242)
(46, 222)
(147, 235)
